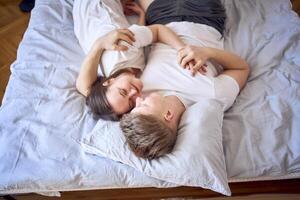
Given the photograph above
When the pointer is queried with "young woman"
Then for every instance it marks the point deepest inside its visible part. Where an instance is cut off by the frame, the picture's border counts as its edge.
(105, 36)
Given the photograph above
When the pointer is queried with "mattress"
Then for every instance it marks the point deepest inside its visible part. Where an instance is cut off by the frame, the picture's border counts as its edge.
(42, 115)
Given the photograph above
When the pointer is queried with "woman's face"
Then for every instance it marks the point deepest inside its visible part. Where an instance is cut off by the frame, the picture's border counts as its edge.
(122, 92)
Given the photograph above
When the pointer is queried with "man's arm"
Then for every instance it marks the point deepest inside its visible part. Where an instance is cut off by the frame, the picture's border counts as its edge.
(89, 68)
(234, 66)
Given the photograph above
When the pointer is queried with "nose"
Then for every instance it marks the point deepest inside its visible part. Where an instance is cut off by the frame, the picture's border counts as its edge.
(132, 92)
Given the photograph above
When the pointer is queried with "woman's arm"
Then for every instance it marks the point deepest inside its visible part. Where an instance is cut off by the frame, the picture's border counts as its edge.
(89, 67)
(165, 35)
(160, 32)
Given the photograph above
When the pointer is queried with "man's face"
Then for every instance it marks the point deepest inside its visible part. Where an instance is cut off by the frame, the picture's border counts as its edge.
(153, 104)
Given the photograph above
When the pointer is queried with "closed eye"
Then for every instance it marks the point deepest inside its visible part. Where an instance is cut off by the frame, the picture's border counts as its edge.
(123, 92)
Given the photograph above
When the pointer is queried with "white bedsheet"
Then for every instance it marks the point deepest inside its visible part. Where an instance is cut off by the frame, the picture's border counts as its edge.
(262, 130)
(42, 114)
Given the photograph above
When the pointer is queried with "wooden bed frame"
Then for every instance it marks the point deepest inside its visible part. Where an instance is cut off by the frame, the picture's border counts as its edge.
(289, 186)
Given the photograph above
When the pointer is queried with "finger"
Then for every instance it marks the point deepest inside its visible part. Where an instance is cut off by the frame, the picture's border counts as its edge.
(201, 71)
(128, 12)
(190, 64)
(128, 33)
(203, 68)
(186, 59)
(198, 64)
(182, 53)
(119, 47)
(193, 72)
(179, 55)
(125, 38)
(131, 4)
(187, 66)
(132, 8)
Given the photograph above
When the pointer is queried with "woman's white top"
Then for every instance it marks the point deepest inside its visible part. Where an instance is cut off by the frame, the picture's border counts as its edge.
(94, 18)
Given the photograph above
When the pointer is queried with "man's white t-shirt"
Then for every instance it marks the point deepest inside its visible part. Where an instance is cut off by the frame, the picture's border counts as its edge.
(163, 73)
(95, 18)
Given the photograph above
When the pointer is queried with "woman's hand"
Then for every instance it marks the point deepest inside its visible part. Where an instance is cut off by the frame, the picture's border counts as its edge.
(194, 58)
(111, 41)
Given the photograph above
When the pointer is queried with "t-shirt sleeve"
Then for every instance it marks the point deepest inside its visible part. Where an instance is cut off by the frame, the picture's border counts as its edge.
(226, 90)
(142, 34)
(113, 61)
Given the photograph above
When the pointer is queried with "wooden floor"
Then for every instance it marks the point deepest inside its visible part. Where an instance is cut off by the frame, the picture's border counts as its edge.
(12, 26)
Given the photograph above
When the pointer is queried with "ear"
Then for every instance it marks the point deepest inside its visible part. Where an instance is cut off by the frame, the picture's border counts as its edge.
(108, 82)
(169, 116)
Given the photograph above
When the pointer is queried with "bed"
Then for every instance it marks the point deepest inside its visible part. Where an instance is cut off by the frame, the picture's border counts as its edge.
(43, 116)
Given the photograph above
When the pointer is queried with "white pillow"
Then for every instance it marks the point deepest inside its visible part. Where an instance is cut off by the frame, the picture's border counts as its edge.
(197, 158)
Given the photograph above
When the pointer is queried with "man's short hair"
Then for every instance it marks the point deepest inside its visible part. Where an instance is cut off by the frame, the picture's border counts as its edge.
(147, 136)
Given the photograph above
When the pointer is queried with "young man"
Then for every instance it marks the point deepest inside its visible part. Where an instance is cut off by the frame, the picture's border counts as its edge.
(171, 79)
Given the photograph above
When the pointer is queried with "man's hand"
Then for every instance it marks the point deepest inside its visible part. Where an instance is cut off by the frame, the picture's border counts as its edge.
(111, 41)
(136, 8)
(133, 7)
(127, 11)
(194, 58)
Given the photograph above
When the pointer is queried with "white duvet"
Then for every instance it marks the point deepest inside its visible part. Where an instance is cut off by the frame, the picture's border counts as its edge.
(42, 115)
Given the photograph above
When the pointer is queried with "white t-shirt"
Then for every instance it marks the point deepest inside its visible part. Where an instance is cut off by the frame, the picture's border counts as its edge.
(164, 74)
(112, 61)
(95, 18)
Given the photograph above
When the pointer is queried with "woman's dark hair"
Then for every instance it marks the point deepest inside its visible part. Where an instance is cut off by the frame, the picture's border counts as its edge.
(98, 103)
(97, 100)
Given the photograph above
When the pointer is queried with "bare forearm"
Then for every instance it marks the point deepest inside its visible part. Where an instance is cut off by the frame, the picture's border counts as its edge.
(142, 20)
(165, 35)
(227, 60)
(89, 70)
(234, 66)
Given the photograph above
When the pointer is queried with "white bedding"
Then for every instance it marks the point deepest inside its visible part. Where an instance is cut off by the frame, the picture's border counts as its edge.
(42, 115)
